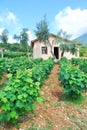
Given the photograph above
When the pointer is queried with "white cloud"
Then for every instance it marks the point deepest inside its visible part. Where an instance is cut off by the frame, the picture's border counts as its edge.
(11, 18)
(1, 29)
(31, 35)
(72, 21)
(11, 39)
(9, 21)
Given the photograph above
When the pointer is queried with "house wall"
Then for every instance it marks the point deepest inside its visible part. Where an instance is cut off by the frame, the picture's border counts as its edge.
(37, 50)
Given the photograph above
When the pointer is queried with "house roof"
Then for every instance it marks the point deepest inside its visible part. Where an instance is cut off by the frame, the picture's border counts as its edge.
(35, 40)
(52, 35)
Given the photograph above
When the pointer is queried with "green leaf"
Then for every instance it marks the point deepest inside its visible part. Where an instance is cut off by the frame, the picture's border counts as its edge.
(13, 98)
(39, 99)
(14, 115)
(9, 75)
(4, 100)
(19, 104)
(19, 96)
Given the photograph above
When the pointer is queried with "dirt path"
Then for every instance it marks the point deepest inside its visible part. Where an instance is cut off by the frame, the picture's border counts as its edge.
(54, 113)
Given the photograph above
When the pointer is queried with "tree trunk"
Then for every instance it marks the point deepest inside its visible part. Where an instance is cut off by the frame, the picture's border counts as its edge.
(52, 51)
(62, 53)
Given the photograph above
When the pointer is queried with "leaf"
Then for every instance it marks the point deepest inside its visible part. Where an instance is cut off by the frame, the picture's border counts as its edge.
(19, 104)
(19, 96)
(33, 106)
(4, 100)
(13, 98)
(6, 107)
(13, 114)
(2, 94)
(30, 92)
(39, 99)
(9, 75)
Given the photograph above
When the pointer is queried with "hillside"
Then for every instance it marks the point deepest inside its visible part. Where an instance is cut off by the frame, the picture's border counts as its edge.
(83, 39)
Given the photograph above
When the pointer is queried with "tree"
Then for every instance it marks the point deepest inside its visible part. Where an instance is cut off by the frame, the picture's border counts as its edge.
(43, 34)
(23, 38)
(73, 47)
(4, 36)
(42, 31)
(65, 44)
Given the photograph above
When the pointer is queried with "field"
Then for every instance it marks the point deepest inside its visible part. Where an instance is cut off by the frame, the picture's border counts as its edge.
(54, 111)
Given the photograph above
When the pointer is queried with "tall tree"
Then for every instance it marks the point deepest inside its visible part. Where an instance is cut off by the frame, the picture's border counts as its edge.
(23, 38)
(42, 31)
(43, 34)
(4, 36)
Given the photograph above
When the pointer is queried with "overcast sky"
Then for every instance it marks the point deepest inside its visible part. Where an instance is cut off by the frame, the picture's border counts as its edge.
(68, 15)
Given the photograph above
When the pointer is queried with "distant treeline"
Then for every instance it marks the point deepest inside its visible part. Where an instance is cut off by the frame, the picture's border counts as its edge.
(16, 47)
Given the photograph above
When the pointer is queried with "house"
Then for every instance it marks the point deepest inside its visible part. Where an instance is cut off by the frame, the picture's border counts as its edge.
(44, 51)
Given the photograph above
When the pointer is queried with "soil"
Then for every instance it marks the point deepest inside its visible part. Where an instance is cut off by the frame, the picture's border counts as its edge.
(54, 113)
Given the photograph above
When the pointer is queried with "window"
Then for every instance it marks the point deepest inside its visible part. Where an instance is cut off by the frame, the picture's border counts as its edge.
(44, 50)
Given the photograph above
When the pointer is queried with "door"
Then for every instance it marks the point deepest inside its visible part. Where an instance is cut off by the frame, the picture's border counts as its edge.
(56, 52)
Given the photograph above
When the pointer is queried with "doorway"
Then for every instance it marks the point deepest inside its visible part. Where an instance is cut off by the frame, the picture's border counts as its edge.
(56, 52)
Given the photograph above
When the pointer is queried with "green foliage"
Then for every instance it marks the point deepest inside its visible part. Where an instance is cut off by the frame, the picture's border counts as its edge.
(15, 47)
(24, 38)
(42, 31)
(82, 63)
(13, 54)
(73, 47)
(4, 36)
(74, 81)
(12, 65)
(66, 45)
(83, 51)
(2, 60)
(18, 96)
(22, 89)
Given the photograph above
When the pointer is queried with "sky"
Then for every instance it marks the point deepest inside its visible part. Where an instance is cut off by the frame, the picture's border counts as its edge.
(68, 15)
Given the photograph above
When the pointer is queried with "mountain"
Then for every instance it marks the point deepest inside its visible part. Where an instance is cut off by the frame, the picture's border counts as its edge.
(83, 39)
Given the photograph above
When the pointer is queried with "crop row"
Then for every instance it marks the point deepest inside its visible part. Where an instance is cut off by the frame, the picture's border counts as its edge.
(14, 54)
(82, 63)
(22, 90)
(12, 65)
(73, 80)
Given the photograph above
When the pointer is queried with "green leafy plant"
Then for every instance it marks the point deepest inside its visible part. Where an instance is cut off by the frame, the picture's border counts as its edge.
(81, 62)
(74, 81)
(22, 90)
